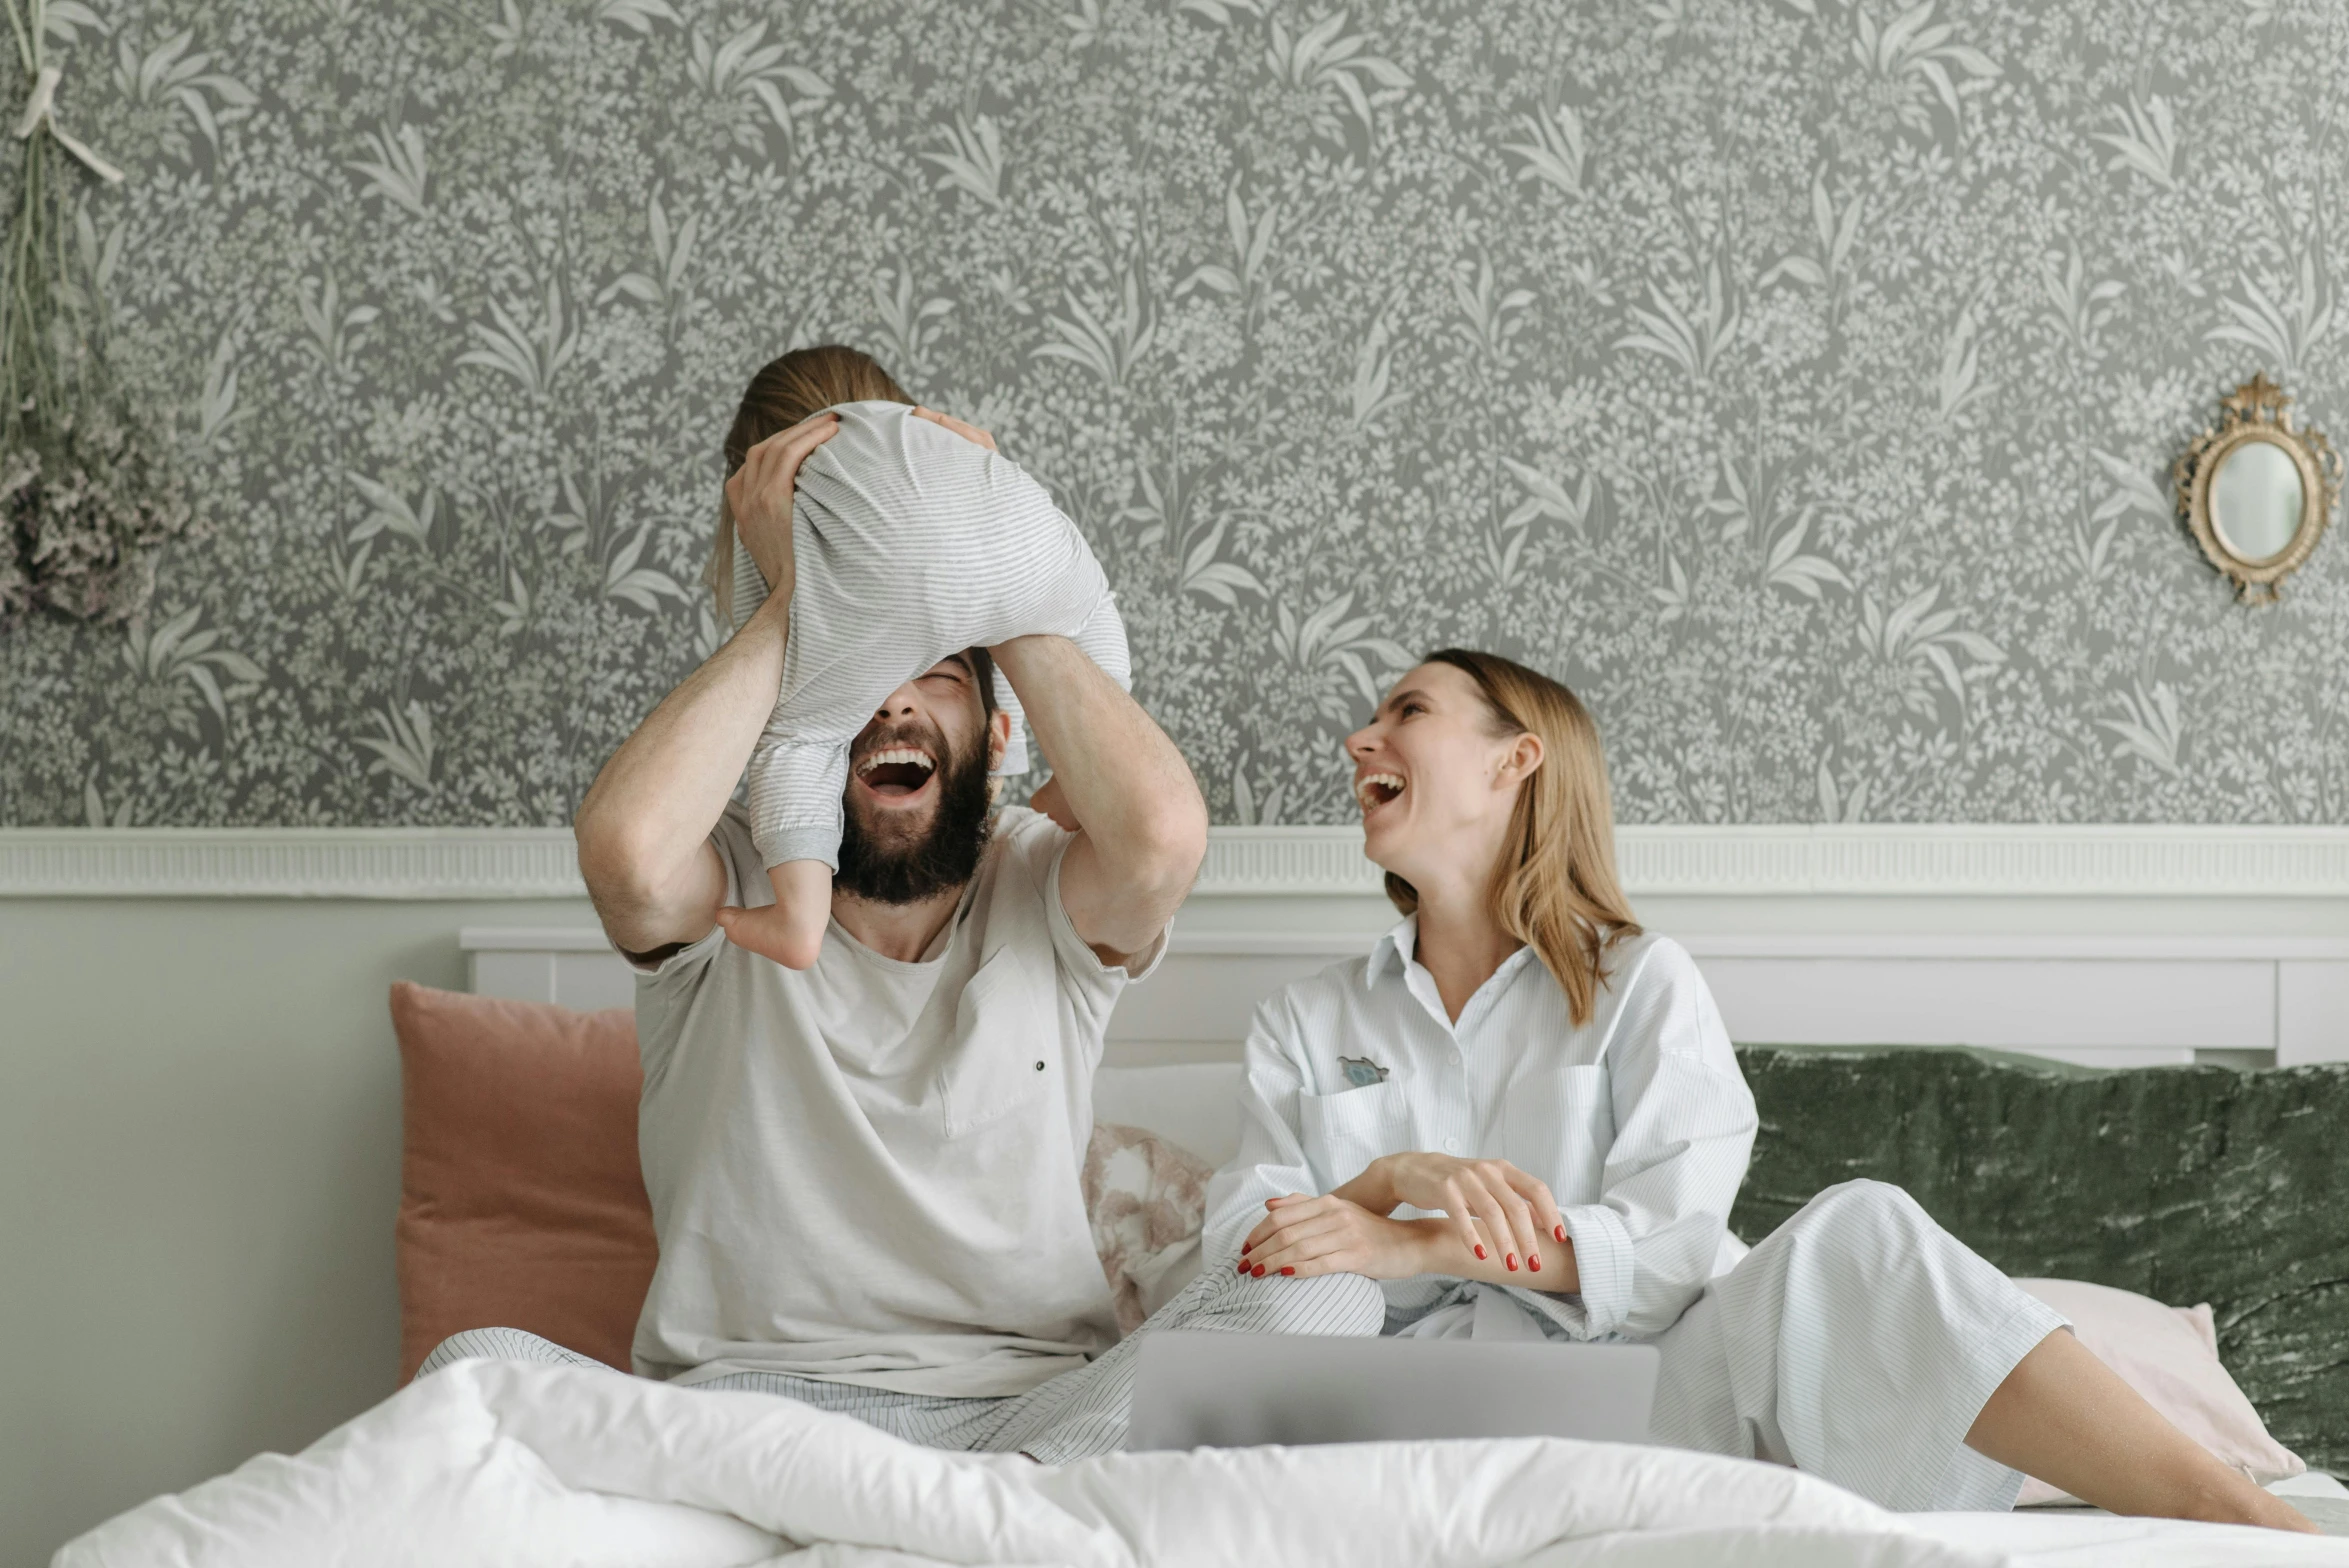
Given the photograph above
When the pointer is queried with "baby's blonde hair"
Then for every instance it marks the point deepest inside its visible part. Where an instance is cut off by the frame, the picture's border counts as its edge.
(785, 391)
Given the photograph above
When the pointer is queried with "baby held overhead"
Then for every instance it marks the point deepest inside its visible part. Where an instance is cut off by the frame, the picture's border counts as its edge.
(911, 543)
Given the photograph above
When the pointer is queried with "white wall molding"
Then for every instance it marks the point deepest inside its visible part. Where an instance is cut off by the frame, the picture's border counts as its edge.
(1994, 860)
(1298, 862)
(392, 863)
(1935, 860)
(2155, 861)
(2103, 1000)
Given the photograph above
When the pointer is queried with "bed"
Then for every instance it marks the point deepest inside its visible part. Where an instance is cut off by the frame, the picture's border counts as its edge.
(490, 1463)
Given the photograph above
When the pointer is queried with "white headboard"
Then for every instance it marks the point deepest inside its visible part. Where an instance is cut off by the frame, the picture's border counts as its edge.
(1194, 1009)
(2112, 1001)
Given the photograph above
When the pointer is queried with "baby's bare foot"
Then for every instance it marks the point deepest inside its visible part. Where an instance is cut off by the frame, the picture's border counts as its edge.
(768, 931)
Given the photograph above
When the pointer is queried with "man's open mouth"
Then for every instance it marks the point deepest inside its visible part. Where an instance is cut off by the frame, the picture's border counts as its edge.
(896, 772)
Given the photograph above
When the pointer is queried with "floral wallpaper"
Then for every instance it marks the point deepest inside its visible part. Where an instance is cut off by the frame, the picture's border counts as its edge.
(1796, 378)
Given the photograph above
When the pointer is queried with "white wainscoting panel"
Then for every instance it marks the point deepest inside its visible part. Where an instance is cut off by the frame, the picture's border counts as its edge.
(2115, 969)
(397, 863)
(2099, 1001)
(1756, 860)
(571, 965)
(2118, 1012)
(2312, 1011)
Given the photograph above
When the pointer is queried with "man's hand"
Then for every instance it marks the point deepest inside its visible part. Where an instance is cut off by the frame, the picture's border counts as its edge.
(1304, 1236)
(758, 496)
(644, 828)
(962, 428)
(1515, 1209)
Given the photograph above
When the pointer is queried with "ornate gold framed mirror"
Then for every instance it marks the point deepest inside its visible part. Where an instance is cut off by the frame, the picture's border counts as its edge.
(2257, 491)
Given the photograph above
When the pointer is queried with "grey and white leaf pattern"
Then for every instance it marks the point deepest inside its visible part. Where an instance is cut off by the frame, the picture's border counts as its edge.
(1798, 380)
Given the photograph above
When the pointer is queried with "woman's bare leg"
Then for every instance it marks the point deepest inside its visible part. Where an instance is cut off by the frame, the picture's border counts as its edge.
(2067, 1418)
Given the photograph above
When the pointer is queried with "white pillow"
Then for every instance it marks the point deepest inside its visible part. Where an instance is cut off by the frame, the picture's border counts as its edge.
(2169, 1355)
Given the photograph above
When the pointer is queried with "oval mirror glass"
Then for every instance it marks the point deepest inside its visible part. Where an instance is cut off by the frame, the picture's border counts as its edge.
(2256, 501)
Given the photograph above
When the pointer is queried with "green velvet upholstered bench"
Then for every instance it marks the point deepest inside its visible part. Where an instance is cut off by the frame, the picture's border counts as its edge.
(2185, 1184)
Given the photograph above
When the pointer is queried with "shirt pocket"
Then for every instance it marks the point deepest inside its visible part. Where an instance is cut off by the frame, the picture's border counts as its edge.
(1560, 1123)
(1004, 1049)
(1345, 1131)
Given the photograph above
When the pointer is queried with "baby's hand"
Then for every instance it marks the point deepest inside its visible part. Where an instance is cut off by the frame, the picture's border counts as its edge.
(968, 432)
(1049, 800)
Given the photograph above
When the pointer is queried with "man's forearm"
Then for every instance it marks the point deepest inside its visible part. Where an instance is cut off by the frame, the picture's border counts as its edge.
(644, 821)
(1122, 777)
(1124, 781)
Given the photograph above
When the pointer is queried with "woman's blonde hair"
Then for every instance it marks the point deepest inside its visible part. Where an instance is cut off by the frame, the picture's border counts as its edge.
(1560, 895)
(785, 391)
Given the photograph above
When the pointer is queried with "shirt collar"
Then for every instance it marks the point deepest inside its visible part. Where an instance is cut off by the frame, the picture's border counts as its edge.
(1396, 949)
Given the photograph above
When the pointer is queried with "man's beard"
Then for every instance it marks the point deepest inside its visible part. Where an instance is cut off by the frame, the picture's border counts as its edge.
(905, 870)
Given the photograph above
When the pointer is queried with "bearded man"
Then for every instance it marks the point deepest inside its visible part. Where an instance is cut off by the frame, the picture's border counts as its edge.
(865, 1175)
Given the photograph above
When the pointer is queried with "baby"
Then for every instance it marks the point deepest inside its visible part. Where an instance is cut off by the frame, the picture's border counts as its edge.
(910, 544)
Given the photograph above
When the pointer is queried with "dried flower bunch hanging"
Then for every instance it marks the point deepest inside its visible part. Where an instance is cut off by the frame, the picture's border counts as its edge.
(87, 495)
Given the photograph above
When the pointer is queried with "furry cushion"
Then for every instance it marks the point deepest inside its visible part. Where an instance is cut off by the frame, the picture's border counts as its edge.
(1148, 1200)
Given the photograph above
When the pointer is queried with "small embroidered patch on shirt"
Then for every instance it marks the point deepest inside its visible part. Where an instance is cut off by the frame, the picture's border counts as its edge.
(1361, 1072)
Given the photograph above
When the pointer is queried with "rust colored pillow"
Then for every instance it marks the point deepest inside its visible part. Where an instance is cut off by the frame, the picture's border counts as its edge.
(521, 1203)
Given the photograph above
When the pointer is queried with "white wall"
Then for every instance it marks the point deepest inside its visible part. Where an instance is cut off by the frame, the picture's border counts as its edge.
(199, 1163)
(199, 1100)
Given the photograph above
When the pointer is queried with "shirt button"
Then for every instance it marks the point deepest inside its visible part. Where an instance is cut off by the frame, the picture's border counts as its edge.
(1455, 1058)
(1451, 1146)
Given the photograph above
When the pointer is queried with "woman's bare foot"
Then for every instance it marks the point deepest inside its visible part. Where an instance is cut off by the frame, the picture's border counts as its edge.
(2249, 1504)
(2067, 1418)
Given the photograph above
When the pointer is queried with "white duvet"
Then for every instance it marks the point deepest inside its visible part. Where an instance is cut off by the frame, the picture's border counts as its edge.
(510, 1466)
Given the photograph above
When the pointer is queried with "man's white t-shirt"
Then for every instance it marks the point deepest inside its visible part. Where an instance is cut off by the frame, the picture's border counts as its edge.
(869, 1171)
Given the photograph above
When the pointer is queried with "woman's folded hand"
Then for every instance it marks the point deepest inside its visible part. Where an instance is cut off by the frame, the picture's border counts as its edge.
(1515, 1210)
(1303, 1235)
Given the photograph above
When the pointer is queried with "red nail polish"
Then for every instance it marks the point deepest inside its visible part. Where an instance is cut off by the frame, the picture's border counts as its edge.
(1559, 1231)
(1257, 1272)
(1480, 1251)
(1512, 1262)
(1285, 1269)
(1533, 1263)
(1245, 1245)
(1243, 1265)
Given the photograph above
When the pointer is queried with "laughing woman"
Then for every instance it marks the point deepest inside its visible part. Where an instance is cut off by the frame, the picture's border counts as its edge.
(1521, 1117)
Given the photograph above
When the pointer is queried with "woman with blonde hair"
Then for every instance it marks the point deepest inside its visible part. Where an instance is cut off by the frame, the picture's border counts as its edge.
(1520, 1117)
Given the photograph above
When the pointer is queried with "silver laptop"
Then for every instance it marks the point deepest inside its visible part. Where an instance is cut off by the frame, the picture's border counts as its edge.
(1199, 1389)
